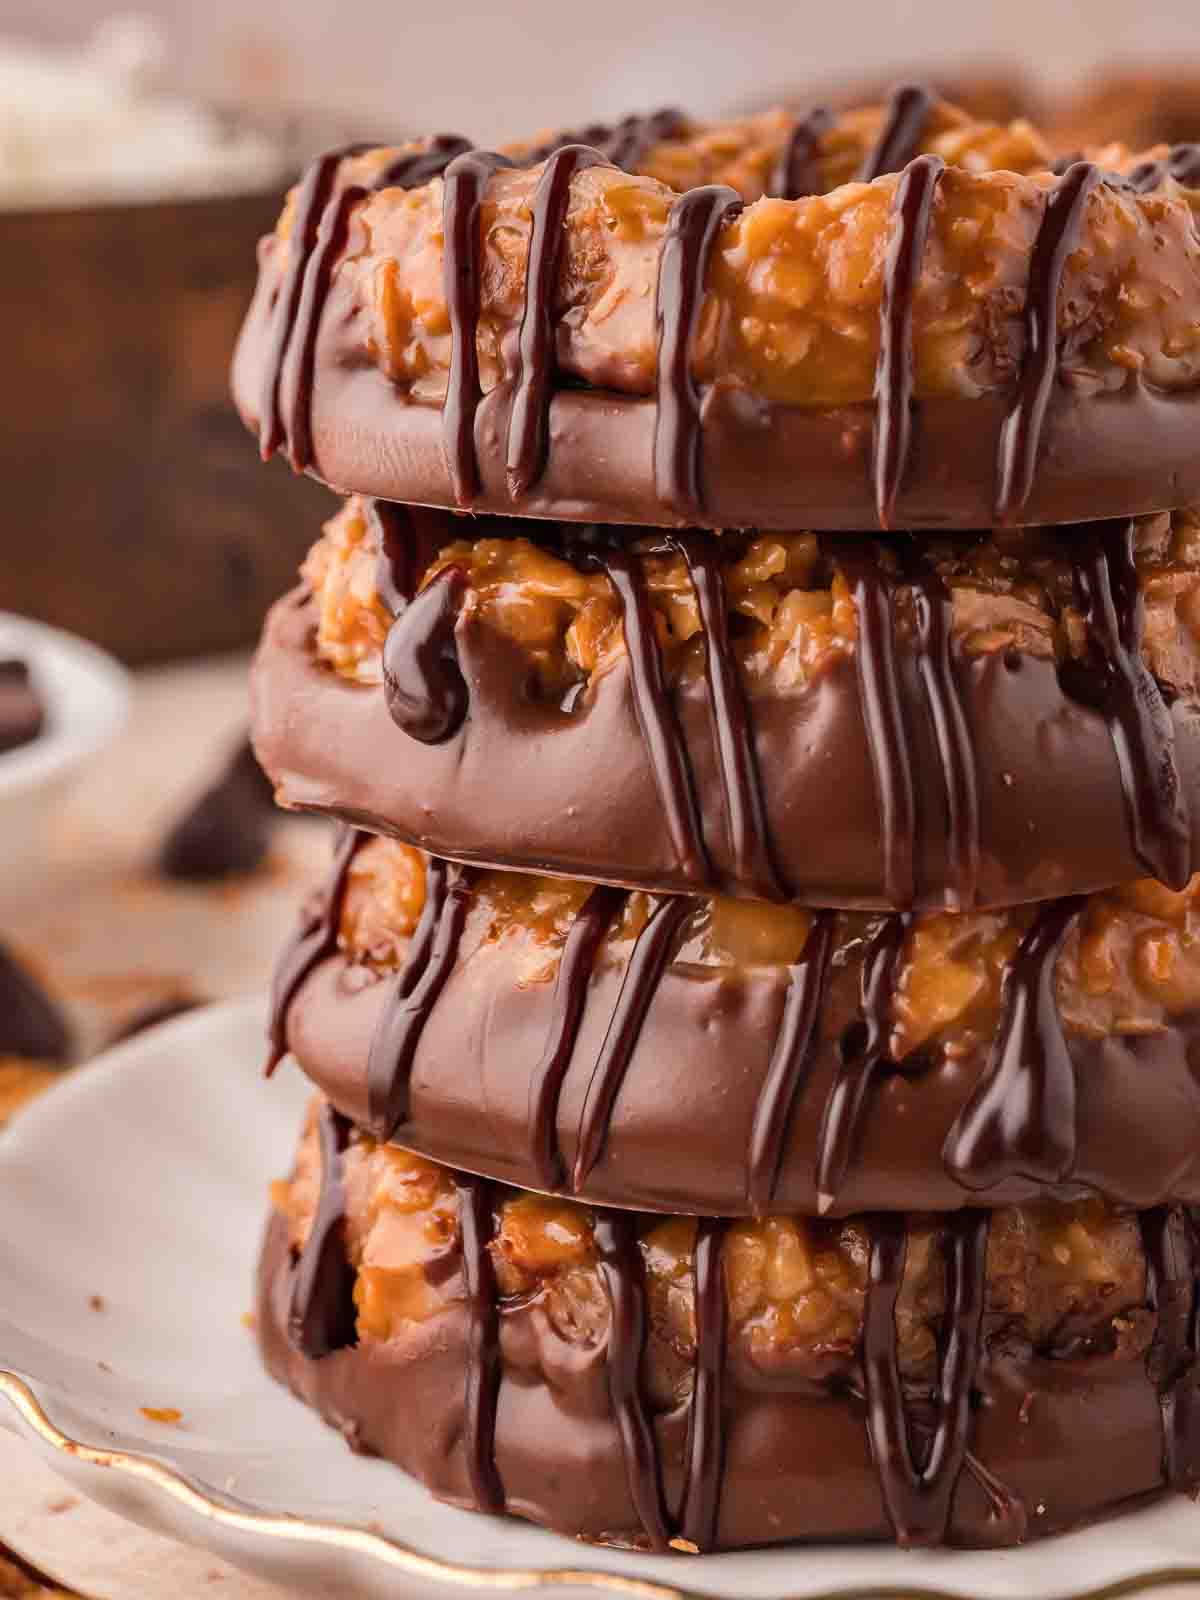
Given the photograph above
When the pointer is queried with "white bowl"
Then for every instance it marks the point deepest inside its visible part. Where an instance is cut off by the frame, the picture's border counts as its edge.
(86, 694)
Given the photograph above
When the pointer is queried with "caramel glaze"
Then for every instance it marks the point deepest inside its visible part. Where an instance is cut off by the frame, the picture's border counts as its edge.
(314, 939)
(321, 1316)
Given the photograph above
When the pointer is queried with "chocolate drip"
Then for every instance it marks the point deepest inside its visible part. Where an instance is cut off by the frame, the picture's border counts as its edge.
(397, 573)
(791, 1058)
(1115, 680)
(622, 1273)
(879, 691)
(1168, 1241)
(696, 219)
(624, 144)
(599, 911)
(423, 684)
(729, 717)
(321, 1317)
(797, 172)
(314, 939)
(476, 1214)
(655, 713)
(705, 1456)
(865, 1052)
(466, 181)
(918, 1501)
(529, 420)
(296, 378)
(934, 613)
(648, 961)
(431, 957)
(901, 132)
(1021, 432)
(1182, 164)
(912, 209)
(1020, 1121)
(320, 223)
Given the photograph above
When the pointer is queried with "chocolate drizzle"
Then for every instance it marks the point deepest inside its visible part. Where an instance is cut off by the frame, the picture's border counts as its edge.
(797, 172)
(314, 939)
(648, 960)
(319, 229)
(901, 132)
(465, 182)
(1021, 431)
(696, 219)
(1020, 1121)
(1169, 1243)
(912, 209)
(879, 692)
(398, 565)
(423, 684)
(729, 717)
(476, 1214)
(597, 915)
(1182, 164)
(625, 143)
(790, 1061)
(529, 419)
(416, 988)
(1115, 680)
(622, 1273)
(865, 1050)
(321, 1315)
(933, 610)
(655, 713)
(705, 1451)
(918, 1500)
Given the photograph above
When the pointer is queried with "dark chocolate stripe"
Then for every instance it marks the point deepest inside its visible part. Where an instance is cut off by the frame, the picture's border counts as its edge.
(705, 1450)
(655, 713)
(1182, 164)
(296, 378)
(431, 957)
(419, 167)
(797, 172)
(696, 219)
(1171, 1292)
(477, 1224)
(314, 939)
(900, 134)
(1020, 1120)
(791, 1058)
(651, 954)
(465, 184)
(321, 1316)
(934, 615)
(529, 419)
(918, 1502)
(887, 738)
(423, 684)
(596, 916)
(729, 717)
(622, 1273)
(1021, 431)
(865, 1053)
(1114, 679)
(396, 558)
(625, 143)
(912, 210)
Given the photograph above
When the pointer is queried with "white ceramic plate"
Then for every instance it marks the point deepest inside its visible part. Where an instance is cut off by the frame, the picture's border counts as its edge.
(87, 700)
(143, 1181)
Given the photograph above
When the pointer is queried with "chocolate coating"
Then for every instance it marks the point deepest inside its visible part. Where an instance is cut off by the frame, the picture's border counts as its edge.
(1051, 812)
(797, 1460)
(680, 1136)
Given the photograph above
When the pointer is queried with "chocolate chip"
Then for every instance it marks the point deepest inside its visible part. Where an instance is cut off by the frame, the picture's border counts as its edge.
(228, 830)
(31, 1023)
(22, 714)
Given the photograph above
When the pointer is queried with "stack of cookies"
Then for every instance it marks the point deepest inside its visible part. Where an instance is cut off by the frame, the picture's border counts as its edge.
(755, 1010)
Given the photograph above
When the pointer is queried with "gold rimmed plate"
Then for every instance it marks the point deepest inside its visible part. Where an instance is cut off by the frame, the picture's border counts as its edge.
(133, 1198)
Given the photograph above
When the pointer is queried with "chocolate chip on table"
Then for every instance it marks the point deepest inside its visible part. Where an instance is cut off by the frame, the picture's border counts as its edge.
(22, 714)
(227, 831)
(31, 1023)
